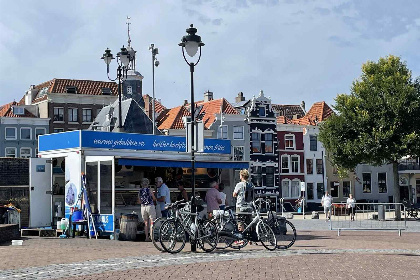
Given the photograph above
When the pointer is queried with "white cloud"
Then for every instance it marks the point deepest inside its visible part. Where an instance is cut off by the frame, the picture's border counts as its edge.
(293, 50)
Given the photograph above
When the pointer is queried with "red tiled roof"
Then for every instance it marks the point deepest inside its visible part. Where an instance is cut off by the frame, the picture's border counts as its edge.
(172, 119)
(7, 111)
(319, 112)
(213, 107)
(87, 87)
(158, 106)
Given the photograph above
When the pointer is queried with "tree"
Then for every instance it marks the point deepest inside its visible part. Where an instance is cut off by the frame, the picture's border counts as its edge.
(379, 121)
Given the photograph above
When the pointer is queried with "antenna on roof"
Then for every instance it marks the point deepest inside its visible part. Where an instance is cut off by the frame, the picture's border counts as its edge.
(128, 30)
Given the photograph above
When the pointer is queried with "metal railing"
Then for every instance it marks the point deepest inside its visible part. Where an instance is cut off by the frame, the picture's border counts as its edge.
(369, 216)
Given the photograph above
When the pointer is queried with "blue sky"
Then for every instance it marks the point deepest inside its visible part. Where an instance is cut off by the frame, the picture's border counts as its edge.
(293, 50)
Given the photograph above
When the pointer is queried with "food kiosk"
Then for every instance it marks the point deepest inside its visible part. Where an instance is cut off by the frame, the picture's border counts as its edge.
(114, 164)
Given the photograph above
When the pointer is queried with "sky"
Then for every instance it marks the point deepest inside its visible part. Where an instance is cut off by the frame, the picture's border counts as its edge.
(292, 50)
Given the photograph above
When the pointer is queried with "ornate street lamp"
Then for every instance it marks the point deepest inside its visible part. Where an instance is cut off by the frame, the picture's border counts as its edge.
(155, 63)
(124, 57)
(191, 43)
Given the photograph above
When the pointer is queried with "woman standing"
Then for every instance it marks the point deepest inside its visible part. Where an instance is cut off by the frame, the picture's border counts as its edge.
(351, 206)
(148, 212)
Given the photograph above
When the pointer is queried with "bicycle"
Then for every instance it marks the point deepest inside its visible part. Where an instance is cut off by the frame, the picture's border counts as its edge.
(155, 236)
(173, 231)
(225, 219)
(257, 231)
(284, 230)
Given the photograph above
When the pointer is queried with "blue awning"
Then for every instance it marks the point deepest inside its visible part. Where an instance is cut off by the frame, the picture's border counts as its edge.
(198, 164)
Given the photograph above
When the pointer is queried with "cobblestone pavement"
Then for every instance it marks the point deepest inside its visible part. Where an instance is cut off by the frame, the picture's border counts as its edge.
(316, 254)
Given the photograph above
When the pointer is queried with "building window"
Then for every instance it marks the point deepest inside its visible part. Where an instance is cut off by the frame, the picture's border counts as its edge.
(313, 143)
(268, 143)
(58, 114)
(238, 132)
(238, 153)
(10, 152)
(256, 142)
(295, 164)
(72, 114)
(18, 110)
(129, 90)
(382, 183)
(39, 131)
(269, 176)
(222, 132)
(257, 176)
(261, 111)
(309, 166)
(319, 190)
(367, 182)
(289, 142)
(25, 152)
(87, 115)
(334, 188)
(285, 188)
(11, 133)
(57, 130)
(295, 189)
(319, 166)
(310, 190)
(285, 164)
(26, 133)
(346, 188)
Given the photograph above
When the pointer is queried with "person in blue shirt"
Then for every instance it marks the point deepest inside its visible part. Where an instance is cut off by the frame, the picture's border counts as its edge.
(163, 196)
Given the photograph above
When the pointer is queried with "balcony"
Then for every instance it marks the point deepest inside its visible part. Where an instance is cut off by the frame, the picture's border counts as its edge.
(408, 165)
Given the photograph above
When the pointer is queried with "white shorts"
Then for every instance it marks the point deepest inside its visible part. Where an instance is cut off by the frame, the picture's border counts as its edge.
(327, 209)
(148, 212)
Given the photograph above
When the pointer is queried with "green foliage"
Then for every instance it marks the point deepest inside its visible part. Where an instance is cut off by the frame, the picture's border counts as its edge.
(379, 122)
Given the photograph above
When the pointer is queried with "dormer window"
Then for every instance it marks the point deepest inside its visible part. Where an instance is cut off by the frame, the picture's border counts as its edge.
(261, 111)
(71, 89)
(106, 91)
(18, 110)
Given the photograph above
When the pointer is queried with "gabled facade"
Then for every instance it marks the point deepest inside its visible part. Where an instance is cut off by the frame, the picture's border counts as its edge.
(263, 146)
(19, 131)
(291, 159)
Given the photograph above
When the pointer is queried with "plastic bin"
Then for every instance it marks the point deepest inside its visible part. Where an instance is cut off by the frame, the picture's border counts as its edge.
(381, 212)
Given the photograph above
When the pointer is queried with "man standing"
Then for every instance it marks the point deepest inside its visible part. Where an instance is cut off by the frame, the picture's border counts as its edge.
(163, 196)
(213, 198)
(326, 201)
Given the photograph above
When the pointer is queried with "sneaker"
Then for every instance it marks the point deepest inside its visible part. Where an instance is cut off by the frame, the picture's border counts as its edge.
(238, 243)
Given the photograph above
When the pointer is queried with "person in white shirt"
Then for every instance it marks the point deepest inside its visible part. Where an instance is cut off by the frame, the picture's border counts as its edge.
(326, 201)
(351, 206)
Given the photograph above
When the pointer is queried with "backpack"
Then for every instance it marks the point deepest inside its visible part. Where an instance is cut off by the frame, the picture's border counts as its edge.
(249, 192)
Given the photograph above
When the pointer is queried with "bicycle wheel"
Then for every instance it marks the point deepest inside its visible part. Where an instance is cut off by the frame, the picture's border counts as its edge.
(156, 233)
(266, 236)
(207, 235)
(222, 241)
(285, 233)
(172, 236)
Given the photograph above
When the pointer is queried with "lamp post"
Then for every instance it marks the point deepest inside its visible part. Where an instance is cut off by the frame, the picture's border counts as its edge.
(155, 63)
(190, 43)
(124, 57)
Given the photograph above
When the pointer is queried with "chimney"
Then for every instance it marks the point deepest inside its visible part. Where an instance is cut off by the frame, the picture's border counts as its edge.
(303, 106)
(208, 96)
(148, 106)
(30, 94)
(185, 102)
(240, 97)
